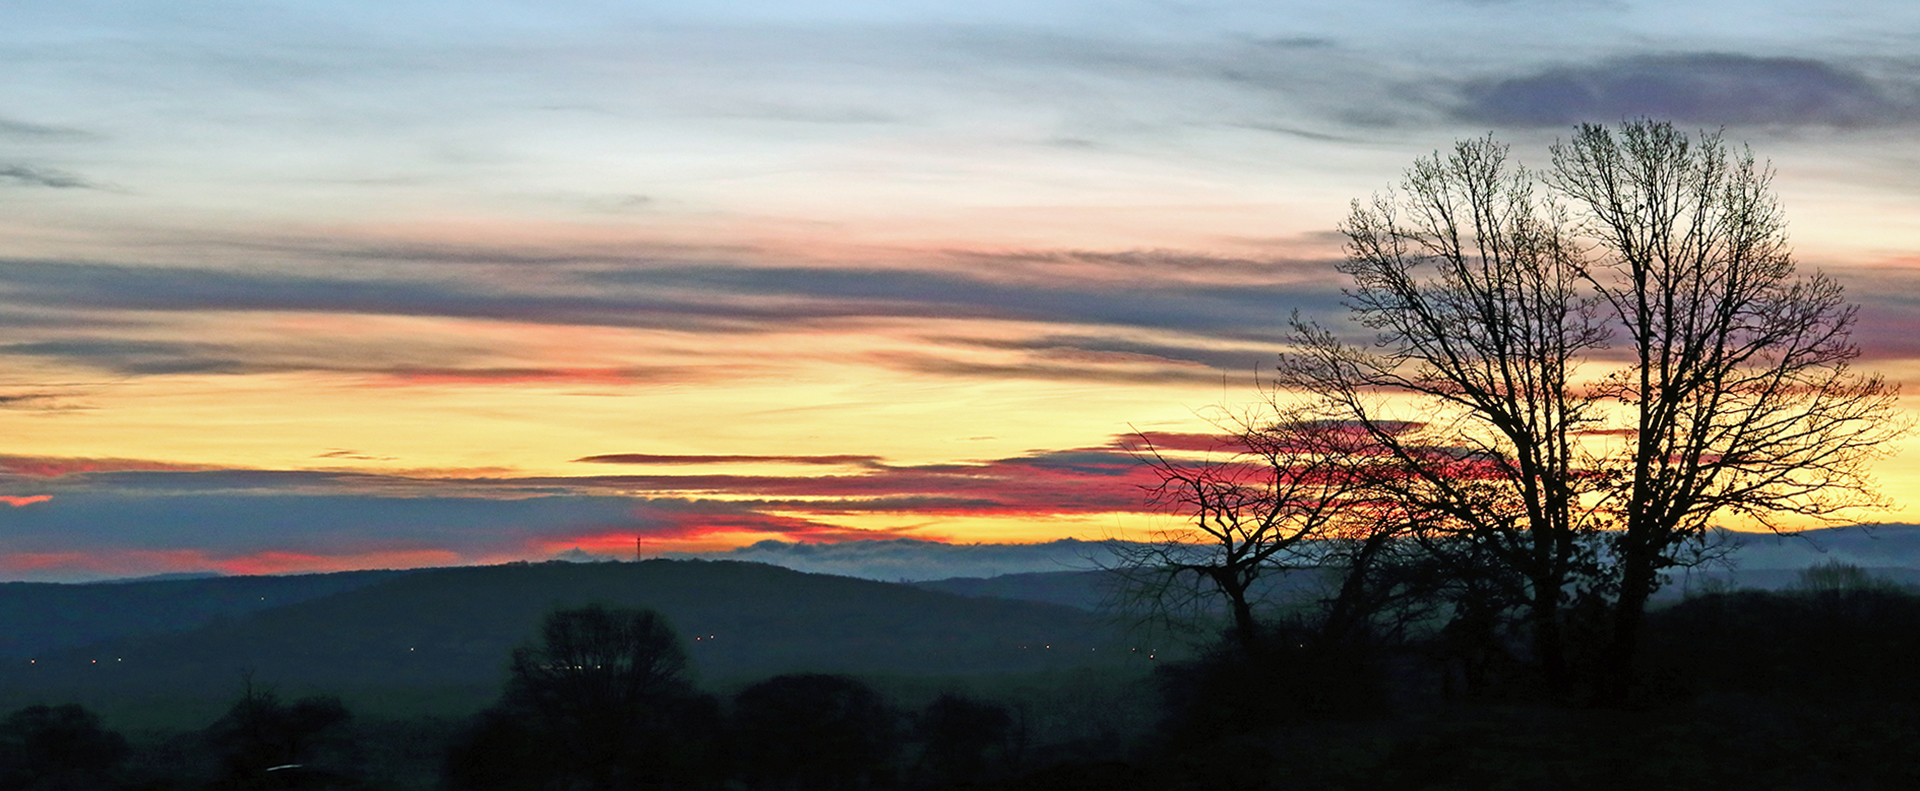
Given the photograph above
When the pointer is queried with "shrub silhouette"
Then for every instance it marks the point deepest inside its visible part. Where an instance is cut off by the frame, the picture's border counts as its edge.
(58, 747)
(260, 736)
(960, 735)
(808, 731)
(604, 701)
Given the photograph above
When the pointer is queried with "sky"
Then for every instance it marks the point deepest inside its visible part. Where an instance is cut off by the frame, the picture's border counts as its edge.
(299, 286)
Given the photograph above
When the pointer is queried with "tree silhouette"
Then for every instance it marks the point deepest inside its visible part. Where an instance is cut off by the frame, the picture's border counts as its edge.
(604, 700)
(1740, 397)
(1290, 494)
(1474, 290)
(1535, 468)
(960, 735)
(260, 736)
(58, 748)
(812, 731)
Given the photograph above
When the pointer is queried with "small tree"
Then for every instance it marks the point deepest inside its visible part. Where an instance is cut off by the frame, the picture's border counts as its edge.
(1290, 495)
(959, 734)
(58, 747)
(605, 700)
(807, 731)
(261, 734)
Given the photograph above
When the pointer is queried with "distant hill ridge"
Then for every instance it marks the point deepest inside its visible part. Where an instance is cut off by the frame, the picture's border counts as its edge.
(38, 618)
(456, 627)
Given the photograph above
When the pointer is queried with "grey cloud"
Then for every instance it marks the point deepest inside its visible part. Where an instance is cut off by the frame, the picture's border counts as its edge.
(22, 130)
(42, 401)
(1701, 88)
(149, 358)
(138, 357)
(44, 177)
(710, 298)
(941, 366)
(222, 524)
(1238, 361)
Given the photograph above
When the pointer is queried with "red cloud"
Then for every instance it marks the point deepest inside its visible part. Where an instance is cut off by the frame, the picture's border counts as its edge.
(17, 501)
(52, 467)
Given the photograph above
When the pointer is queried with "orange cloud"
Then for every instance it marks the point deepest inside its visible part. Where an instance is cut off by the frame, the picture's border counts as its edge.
(17, 501)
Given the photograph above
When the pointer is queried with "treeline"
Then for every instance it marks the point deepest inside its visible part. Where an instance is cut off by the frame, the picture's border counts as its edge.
(1808, 688)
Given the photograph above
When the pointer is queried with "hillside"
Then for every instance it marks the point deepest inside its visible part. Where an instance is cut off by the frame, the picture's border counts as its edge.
(40, 618)
(456, 626)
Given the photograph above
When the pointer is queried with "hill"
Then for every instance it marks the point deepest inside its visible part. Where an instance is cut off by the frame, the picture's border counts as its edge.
(42, 618)
(454, 627)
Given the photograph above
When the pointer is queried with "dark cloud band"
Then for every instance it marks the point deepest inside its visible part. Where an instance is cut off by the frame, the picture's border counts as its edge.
(1704, 88)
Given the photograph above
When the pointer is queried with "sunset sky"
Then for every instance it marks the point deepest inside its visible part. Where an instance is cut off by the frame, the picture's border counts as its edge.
(292, 286)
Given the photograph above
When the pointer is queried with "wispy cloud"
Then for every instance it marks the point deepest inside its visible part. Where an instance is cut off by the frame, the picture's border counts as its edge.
(27, 131)
(27, 175)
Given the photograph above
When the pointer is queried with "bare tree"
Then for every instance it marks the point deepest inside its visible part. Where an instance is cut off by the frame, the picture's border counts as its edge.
(1287, 496)
(1739, 395)
(1476, 295)
(1529, 435)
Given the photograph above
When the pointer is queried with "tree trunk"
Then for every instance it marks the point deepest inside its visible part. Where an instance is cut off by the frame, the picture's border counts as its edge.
(1245, 628)
(1549, 646)
(1617, 672)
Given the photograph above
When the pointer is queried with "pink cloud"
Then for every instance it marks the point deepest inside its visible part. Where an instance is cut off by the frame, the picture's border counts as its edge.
(17, 501)
(56, 467)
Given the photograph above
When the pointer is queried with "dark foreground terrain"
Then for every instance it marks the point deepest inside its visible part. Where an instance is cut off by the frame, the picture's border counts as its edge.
(409, 680)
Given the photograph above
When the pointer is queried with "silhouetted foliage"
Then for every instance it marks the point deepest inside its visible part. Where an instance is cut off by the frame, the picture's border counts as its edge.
(965, 742)
(1290, 679)
(58, 748)
(603, 701)
(813, 732)
(261, 741)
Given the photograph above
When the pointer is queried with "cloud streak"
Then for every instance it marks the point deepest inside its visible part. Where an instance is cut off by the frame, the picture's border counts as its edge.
(716, 298)
(1694, 88)
(667, 459)
(30, 176)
